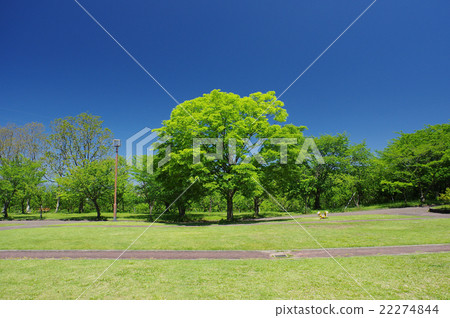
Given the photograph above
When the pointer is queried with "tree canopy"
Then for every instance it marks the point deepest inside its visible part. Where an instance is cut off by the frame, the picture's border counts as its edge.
(218, 152)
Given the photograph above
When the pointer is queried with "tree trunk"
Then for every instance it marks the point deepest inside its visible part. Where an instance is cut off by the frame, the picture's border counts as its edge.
(210, 204)
(150, 207)
(317, 200)
(356, 200)
(182, 210)
(230, 205)
(97, 208)
(306, 204)
(5, 208)
(28, 205)
(81, 206)
(256, 205)
(22, 206)
(422, 198)
(58, 201)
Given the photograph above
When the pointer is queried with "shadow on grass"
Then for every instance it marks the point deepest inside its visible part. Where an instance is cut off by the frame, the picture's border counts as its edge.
(193, 218)
(197, 220)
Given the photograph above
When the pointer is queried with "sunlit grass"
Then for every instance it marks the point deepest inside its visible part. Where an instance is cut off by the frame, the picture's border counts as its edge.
(384, 277)
(279, 236)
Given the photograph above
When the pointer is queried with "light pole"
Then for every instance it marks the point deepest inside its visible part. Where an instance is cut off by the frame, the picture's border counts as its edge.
(116, 144)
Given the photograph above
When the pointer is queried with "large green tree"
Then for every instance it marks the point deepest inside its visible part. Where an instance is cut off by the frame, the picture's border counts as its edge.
(227, 122)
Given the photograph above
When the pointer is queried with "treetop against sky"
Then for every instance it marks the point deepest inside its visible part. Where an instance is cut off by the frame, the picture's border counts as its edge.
(388, 72)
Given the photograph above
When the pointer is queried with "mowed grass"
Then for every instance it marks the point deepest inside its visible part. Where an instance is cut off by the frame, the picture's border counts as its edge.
(313, 218)
(304, 218)
(192, 216)
(278, 236)
(384, 277)
(64, 215)
(213, 216)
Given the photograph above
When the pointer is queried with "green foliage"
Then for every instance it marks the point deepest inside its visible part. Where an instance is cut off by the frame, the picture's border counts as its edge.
(18, 174)
(77, 141)
(80, 176)
(445, 197)
(148, 189)
(229, 118)
(94, 181)
(420, 161)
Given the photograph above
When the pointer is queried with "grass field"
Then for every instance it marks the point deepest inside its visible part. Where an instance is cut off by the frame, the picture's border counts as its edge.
(191, 216)
(312, 218)
(424, 276)
(385, 277)
(280, 236)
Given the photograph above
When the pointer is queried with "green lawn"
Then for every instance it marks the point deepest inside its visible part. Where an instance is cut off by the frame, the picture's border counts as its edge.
(191, 215)
(348, 217)
(279, 236)
(385, 277)
(75, 216)
(9, 224)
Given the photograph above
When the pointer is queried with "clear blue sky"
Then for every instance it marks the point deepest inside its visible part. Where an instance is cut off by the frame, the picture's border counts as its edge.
(389, 72)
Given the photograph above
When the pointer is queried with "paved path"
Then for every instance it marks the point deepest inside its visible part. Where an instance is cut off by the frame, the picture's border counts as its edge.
(224, 254)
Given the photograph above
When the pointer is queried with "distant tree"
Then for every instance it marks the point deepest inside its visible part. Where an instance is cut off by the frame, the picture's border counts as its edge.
(283, 176)
(147, 186)
(94, 181)
(420, 159)
(76, 142)
(7, 142)
(336, 156)
(17, 174)
(28, 141)
(359, 173)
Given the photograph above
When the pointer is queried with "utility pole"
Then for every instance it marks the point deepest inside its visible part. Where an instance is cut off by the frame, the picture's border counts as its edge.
(116, 144)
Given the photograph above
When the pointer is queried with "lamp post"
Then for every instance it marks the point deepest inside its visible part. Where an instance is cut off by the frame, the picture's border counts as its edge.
(116, 144)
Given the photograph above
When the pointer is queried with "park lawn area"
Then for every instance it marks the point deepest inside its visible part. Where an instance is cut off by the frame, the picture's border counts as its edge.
(384, 277)
(140, 217)
(137, 216)
(110, 223)
(191, 215)
(278, 236)
(86, 216)
(348, 217)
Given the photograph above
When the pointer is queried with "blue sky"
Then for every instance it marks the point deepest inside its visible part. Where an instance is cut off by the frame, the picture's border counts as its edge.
(389, 72)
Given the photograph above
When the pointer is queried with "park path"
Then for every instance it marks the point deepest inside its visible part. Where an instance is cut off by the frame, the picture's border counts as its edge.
(223, 254)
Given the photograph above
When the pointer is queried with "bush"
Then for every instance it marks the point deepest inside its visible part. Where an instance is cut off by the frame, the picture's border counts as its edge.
(445, 197)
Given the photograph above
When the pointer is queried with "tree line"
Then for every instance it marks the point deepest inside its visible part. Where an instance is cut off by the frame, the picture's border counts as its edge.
(71, 167)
